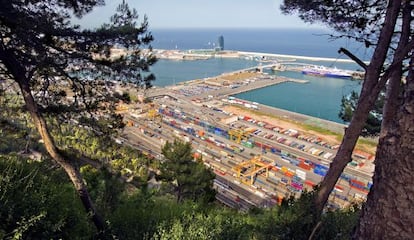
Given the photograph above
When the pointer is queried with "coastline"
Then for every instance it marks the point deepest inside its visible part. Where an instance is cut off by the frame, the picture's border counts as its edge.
(221, 88)
(219, 98)
(297, 57)
(241, 87)
(202, 54)
(276, 62)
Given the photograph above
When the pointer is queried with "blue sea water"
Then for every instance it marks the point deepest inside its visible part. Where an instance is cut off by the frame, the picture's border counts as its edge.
(169, 72)
(321, 97)
(304, 42)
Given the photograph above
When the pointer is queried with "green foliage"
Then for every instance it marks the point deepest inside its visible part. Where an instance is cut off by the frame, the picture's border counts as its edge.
(214, 225)
(16, 132)
(105, 188)
(18, 135)
(82, 142)
(188, 178)
(139, 214)
(373, 124)
(294, 219)
(360, 19)
(125, 97)
(37, 202)
(147, 216)
(338, 224)
(68, 73)
(71, 72)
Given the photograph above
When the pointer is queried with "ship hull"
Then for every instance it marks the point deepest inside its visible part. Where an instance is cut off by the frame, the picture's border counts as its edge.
(326, 72)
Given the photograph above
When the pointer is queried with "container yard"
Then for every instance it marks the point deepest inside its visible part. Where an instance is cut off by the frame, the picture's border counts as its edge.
(256, 162)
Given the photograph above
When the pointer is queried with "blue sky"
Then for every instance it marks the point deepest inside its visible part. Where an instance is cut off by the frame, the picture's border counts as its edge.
(202, 14)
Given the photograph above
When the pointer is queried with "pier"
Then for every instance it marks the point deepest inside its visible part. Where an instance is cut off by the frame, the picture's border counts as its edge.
(221, 86)
(255, 85)
(205, 113)
(276, 62)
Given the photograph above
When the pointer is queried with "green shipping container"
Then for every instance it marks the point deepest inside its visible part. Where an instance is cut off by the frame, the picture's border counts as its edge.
(247, 144)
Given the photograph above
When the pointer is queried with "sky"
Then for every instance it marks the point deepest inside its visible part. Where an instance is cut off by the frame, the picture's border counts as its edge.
(164, 14)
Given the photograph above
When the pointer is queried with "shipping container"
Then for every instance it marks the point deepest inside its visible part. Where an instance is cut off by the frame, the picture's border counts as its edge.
(223, 153)
(248, 144)
(296, 185)
(220, 184)
(327, 155)
(294, 161)
(275, 150)
(284, 180)
(220, 171)
(310, 183)
(301, 174)
(231, 163)
(305, 166)
(346, 177)
(358, 185)
(320, 171)
(289, 174)
(200, 133)
(338, 188)
(274, 180)
(342, 197)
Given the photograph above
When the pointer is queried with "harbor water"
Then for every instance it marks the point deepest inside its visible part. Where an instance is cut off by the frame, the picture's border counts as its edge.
(321, 97)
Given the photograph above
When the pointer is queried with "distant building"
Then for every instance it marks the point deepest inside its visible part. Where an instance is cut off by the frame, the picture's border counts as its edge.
(220, 44)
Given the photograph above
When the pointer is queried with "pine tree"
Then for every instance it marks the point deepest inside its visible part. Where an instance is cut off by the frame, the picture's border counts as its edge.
(188, 177)
(387, 26)
(66, 73)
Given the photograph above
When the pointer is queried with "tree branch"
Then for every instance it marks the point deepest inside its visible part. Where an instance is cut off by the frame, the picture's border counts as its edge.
(353, 57)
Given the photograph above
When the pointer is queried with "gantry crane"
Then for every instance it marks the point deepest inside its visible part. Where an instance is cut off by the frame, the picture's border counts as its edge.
(153, 114)
(237, 135)
(248, 170)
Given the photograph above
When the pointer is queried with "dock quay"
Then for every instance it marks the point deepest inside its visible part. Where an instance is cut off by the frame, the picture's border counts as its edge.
(275, 62)
(261, 84)
(229, 84)
(229, 132)
(215, 88)
(228, 91)
(291, 159)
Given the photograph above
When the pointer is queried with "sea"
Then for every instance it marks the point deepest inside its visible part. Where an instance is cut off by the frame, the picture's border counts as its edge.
(320, 97)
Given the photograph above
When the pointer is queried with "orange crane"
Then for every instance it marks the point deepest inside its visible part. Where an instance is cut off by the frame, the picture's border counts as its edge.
(248, 170)
(153, 114)
(237, 135)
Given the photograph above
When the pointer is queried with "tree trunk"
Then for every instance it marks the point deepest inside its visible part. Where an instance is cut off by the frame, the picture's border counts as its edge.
(394, 84)
(178, 194)
(369, 93)
(71, 171)
(388, 212)
(19, 74)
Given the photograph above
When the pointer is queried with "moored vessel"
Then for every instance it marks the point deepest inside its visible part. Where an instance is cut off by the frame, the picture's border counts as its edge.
(323, 71)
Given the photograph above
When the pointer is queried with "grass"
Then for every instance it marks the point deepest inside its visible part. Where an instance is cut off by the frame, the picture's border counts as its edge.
(321, 130)
(238, 76)
(367, 145)
(363, 144)
(305, 126)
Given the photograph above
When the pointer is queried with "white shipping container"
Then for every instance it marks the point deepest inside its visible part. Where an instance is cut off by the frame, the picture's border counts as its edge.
(301, 174)
(327, 155)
